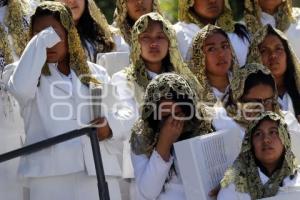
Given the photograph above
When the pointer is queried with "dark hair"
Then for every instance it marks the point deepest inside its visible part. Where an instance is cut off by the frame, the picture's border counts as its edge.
(90, 31)
(41, 12)
(289, 75)
(241, 31)
(129, 21)
(258, 78)
(221, 31)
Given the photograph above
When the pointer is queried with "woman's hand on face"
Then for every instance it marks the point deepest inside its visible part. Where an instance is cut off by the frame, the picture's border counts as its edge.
(169, 133)
(172, 128)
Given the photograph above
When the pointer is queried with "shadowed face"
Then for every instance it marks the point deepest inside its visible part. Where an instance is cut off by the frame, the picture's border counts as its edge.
(77, 8)
(274, 55)
(209, 9)
(58, 52)
(269, 6)
(137, 8)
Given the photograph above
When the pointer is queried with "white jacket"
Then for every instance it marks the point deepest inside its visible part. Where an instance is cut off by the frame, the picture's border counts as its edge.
(50, 106)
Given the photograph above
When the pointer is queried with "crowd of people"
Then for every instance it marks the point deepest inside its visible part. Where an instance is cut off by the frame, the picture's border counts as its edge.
(205, 73)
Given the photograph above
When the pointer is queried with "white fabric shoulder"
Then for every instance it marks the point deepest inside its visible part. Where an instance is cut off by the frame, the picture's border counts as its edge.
(229, 193)
(292, 34)
(121, 45)
(125, 88)
(185, 32)
(149, 186)
(240, 47)
(286, 103)
(99, 71)
(296, 13)
(222, 121)
(291, 121)
(294, 182)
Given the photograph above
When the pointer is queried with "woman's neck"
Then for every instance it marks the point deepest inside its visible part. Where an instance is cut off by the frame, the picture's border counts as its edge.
(269, 168)
(64, 67)
(154, 67)
(219, 82)
(270, 11)
(203, 20)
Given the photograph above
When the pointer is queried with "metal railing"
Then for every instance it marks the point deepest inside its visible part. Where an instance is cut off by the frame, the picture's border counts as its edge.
(90, 131)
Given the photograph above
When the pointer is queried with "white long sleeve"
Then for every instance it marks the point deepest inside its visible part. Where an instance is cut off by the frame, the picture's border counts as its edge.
(151, 174)
(23, 83)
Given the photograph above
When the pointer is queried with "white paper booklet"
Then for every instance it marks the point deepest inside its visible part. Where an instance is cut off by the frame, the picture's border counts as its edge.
(113, 61)
(203, 161)
(295, 140)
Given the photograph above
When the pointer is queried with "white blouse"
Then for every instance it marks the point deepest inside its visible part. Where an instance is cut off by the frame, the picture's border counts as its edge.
(51, 106)
(286, 103)
(12, 134)
(130, 96)
(151, 175)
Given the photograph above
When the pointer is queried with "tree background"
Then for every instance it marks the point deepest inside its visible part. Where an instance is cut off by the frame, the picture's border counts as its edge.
(169, 8)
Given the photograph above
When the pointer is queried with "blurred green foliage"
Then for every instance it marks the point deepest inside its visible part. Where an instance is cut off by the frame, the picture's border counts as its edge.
(107, 7)
(169, 8)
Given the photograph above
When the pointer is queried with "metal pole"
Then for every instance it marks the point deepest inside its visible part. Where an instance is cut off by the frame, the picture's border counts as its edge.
(102, 184)
(45, 143)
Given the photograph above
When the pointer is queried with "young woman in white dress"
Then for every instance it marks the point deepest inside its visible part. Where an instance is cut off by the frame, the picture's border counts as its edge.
(266, 164)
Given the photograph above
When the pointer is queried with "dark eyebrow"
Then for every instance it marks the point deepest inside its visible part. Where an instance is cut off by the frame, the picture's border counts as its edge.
(213, 43)
(210, 44)
(226, 41)
(276, 45)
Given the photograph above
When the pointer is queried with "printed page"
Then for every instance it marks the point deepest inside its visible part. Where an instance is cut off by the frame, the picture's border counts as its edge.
(295, 140)
(211, 154)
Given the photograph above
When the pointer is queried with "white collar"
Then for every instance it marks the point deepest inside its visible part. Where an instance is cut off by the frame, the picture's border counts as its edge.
(286, 103)
(151, 74)
(266, 18)
(218, 94)
(264, 179)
